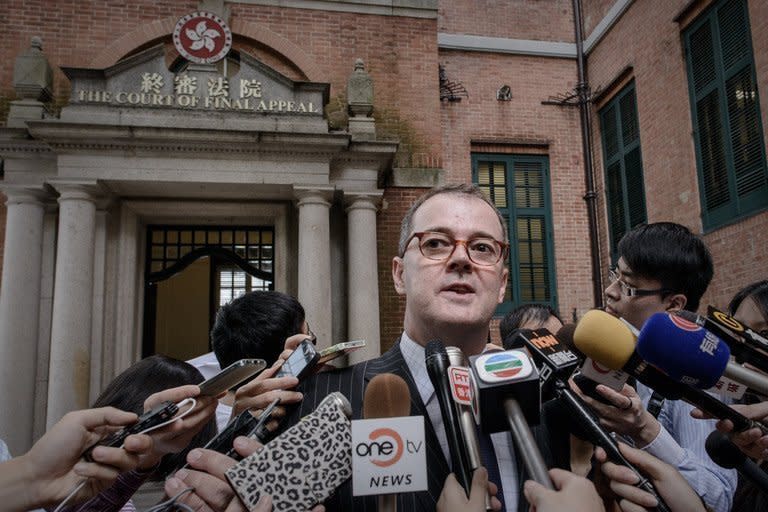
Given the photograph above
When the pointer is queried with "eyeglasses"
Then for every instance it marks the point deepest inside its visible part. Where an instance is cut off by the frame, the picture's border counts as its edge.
(631, 291)
(437, 246)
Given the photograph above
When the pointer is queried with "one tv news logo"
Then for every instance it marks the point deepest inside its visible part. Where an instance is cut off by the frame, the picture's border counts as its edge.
(386, 447)
(388, 456)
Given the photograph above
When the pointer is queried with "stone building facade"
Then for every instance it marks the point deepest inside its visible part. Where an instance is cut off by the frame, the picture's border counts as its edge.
(133, 210)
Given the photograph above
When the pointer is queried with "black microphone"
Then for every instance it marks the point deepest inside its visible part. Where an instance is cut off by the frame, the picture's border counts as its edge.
(543, 345)
(511, 378)
(554, 359)
(746, 346)
(437, 362)
(726, 454)
(461, 372)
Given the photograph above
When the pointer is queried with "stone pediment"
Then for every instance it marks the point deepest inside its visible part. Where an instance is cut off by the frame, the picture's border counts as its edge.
(143, 91)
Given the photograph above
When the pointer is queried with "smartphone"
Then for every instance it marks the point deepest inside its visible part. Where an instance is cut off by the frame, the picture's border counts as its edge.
(231, 376)
(163, 412)
(338, 350)
(244, 424)
(587, 386)
(304, 465)
(301, 361)
(257, 429)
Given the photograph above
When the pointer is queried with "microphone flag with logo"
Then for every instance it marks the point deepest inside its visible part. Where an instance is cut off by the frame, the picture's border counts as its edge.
(388, 446)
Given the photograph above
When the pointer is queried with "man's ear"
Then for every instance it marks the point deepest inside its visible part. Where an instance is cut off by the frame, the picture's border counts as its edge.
(504, 279)
(676, 302)
(397, 274)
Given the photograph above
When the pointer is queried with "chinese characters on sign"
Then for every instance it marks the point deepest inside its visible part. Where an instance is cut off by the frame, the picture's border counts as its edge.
(185, 91)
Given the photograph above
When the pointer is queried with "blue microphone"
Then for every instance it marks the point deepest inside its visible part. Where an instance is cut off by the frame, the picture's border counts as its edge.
(683, 350)
(691, 354)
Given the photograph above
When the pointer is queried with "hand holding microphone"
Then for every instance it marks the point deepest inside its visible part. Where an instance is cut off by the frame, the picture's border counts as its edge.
(453, 498)
(553, 357)
(573, 493)
(607, 340)
(667, 481)
(727, 455)
(752, 442)
(437, 362)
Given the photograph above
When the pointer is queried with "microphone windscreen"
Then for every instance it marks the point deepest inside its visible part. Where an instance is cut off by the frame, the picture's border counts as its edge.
(605, 339)
(433, 348)
(565, 335)
(513, 341)
(387, 396)
(683, 350)
(722, 450)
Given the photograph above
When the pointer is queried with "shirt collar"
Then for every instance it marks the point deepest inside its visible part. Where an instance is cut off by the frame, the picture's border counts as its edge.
(415, 358)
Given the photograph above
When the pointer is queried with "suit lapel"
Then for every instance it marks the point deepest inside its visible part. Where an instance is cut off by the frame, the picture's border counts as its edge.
(437, 467)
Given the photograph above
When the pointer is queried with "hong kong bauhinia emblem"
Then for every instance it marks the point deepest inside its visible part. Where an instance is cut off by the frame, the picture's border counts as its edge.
(202, 37)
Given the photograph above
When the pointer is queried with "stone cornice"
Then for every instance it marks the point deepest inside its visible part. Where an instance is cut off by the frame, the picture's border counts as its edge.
(17, 141)
(76, 137)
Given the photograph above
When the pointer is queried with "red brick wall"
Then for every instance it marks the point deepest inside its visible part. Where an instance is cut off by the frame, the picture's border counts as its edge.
(400, 53)
(516, 19)
(482, 116)
(669, 162)
(593, 12)
(395, 203)
(73, 32)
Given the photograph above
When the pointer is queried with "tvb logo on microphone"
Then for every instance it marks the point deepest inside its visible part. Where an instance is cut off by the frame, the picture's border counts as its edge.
(388, 456)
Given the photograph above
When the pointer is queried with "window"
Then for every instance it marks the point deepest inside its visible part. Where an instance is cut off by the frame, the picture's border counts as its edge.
(519, 187)
(625, 193)
(730, 153)
(252, 245)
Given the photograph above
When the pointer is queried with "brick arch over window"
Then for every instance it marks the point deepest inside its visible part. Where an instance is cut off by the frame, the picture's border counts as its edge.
(161, 28)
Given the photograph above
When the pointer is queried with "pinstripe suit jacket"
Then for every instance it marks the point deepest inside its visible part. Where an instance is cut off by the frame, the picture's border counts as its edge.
(351, 382)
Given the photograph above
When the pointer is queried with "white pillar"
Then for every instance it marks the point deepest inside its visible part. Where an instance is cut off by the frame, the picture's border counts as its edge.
(47, 274)
(69, 371)
(315, 261)
(19, 314)
(363, 279)
(98, 340)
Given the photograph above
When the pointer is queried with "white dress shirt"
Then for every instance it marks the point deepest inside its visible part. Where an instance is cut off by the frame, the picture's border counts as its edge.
(414, 356)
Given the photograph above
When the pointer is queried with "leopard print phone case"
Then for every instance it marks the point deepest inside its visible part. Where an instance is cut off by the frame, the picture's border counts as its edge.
(303, 466)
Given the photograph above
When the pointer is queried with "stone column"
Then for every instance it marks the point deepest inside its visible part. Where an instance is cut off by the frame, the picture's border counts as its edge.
(363, 279)
(69, 371)
(315, 260)
(19, 313)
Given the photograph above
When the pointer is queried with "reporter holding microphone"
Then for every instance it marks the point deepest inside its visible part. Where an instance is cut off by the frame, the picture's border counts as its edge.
(750, 307)
(662, 267)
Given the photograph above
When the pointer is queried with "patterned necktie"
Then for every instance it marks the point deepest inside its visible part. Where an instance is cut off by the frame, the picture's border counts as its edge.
(488, 454)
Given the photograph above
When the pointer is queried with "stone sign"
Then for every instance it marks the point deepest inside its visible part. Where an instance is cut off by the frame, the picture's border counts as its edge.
(143, 80)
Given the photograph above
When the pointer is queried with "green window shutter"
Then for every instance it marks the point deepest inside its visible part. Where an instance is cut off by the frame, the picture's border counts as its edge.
(728, 136)
(519, 187)
(622, 159)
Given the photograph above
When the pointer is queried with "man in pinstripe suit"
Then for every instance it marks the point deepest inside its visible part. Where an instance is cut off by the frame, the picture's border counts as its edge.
(451, 270)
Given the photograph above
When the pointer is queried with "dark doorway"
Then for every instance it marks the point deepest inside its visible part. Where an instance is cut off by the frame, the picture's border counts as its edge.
(190, 272)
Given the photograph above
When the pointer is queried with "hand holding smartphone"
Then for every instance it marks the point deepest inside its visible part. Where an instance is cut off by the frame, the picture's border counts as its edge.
(231, 376)
(160, 414)
(301, 361)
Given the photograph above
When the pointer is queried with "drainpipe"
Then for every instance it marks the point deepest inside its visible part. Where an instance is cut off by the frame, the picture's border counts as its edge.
(582, 88)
